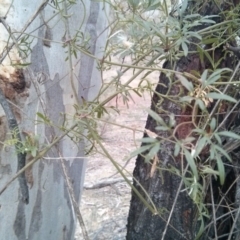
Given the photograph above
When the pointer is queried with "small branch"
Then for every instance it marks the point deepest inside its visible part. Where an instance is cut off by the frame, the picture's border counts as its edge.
(12, 123)
(213, 211)
(104, 183)
(68, 35)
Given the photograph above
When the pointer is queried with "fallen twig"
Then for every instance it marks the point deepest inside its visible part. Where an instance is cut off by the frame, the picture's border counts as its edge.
(104, 183)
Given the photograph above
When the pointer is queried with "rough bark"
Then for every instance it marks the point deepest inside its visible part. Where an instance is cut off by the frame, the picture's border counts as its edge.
(163, 186)
(49, 214)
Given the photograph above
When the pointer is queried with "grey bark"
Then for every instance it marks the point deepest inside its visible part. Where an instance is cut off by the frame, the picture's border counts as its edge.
(49, 214)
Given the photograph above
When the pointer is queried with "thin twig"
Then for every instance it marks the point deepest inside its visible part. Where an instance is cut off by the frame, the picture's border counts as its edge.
(104, 183)
(213, 211)
(73, 199)
(234, 224)
(68, 42)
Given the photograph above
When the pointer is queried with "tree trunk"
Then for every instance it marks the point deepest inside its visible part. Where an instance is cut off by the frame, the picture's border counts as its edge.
(176, 216)
(46, 88)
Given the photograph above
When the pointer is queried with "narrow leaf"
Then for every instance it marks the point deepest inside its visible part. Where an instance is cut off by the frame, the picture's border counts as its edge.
(177, 149)
(183, 7)
(213, 123)
(156, 117)
(215, 95)
(223, 152)
(191, 163)
(43, 117)
(229, 134)
(204, 75)
(161, 128)
(185, 48)
(200, 145)
(200, 103)
(221, 170)
(153, 151)
(140, 150)
(188, 85)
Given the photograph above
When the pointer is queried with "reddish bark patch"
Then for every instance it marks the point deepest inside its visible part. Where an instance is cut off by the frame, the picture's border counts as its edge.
(185, 125)
(14, 85)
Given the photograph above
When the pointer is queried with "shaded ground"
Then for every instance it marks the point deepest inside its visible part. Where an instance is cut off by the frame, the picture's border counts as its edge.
(105, 210)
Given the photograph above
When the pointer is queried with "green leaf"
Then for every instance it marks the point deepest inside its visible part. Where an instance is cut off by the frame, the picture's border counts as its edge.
(213, 123)
(43, 117)
(221, 96)
(212, 80)
(195, 15)
(21, 65)
(154, 150)
(229, 134)
(140, 150)
(209, 170)
(134, 3)
(219, 140)
(186, 99)
(183, 7)
(210, 40)
(200, 51)
(194, 34)
(177, 149)
(216, 75)
(204, 75)
(219, 71)
(212, 152)
(201, 228)
(185, 48)
(221, 169)
(162, 128)
(223, 152)
(75, 53)
(34, 151)
(191, 162)
(209, 58)
(200, 103)
(153, 5)
(172, 121)
(156, 117)
(200, 145)
(207, 21)
(188, 85)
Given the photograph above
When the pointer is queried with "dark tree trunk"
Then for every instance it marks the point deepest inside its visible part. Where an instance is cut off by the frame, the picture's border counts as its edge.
(163, 186)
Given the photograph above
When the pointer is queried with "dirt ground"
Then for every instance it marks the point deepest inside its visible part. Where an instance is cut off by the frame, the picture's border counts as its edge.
(105, 209)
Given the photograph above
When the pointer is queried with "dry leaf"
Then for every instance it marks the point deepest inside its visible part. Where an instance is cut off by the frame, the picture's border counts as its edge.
(154, 165)
(151, 134)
